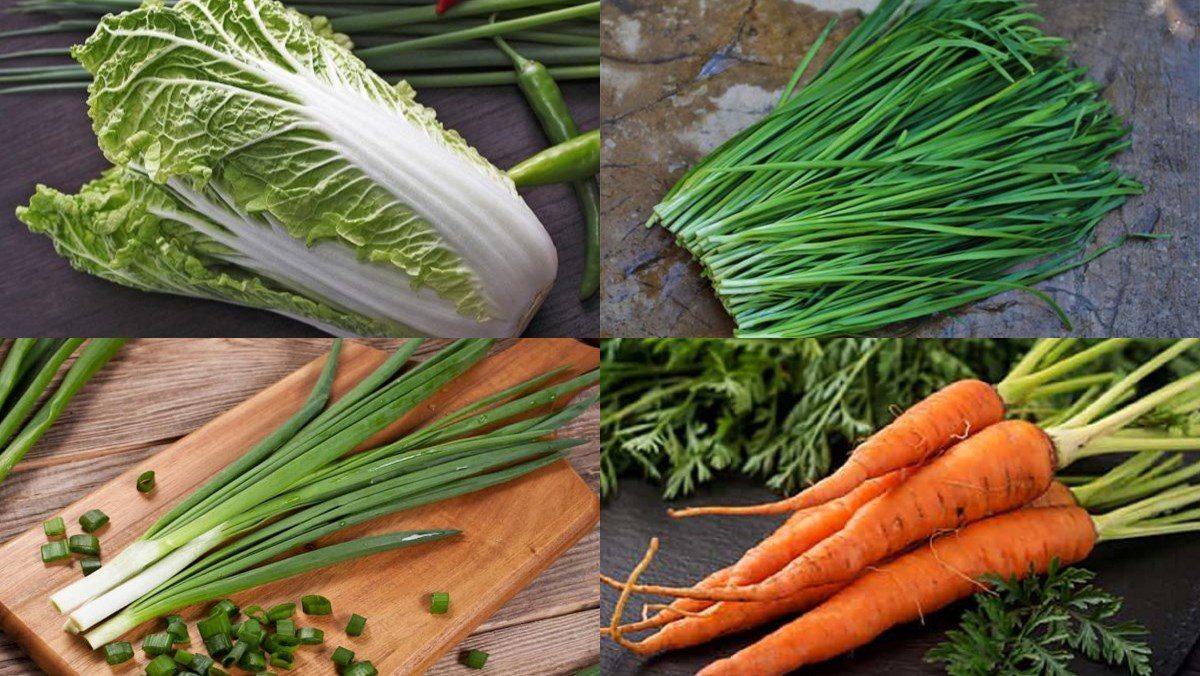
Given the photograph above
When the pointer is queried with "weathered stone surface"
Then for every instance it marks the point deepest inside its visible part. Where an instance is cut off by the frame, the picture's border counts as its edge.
(681, 76)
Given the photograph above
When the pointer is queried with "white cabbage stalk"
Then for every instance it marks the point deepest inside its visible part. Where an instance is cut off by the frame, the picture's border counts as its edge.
(260, 162)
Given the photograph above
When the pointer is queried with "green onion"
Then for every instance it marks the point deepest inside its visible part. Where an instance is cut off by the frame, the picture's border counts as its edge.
(94, 355)
(475, 659)
(342, 657)
(944, 153)
(356, 625)
(118, 653)
(162, 665)
(225, 607)
(285, 628)
(315, 604)
(183, 657)
(93, 520)
(593, 670)
(55, 528)
(157, 644)
(89, 565)
(439, 603)
(53, 552)
(215, 624)
(251, 632)
(236, 654)
(283, 660)
(217, 671)
(178, 630)
(302, 482)
(253, 660)
(281, 612)
(201, 663)
(145, 482)
(218, 645)
(84, 544)
(310, 636)
(364, 668)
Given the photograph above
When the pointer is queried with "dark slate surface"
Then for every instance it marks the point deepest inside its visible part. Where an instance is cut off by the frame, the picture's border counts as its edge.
(1157, 578)
(47, 138)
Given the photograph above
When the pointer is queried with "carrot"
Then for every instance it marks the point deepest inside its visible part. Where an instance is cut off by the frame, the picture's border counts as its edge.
(918, 583)
(999, 469)
(799, 533)
(938, 421)
(723, 619)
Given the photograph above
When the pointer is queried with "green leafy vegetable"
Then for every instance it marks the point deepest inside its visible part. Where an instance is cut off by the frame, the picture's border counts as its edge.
(260, 162)
(1037, 625)
(679, 410)
(945, 152)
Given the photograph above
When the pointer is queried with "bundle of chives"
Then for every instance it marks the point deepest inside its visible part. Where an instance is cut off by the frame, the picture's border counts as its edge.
(400, 39)
(302, 483)
(943, 154)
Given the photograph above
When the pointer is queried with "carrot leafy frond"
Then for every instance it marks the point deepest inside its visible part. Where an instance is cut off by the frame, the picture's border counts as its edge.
(1038, 625)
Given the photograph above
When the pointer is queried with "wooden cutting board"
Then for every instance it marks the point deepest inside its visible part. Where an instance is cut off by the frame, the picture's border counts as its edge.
(511, 532)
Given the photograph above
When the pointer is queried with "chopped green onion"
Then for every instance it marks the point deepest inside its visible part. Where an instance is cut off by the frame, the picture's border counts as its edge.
(55, 528)
(118, 653)
(285, 628)
(89, 564)
(201, 663)
(93, 520)
(315, 604)
(183, 657)
(342, 657)
(229, 608)
(281, 612)
(439, 603)
(364, 668)
(145, 482)
(310, 636)
(475, 659)
(256, 611)
(218, 645)
(158, 643)
(162, 665)
(251, 632)
(235, 654)
(217, 671)
(283, 660)
(84, 544)
(356, 625)
(214, 625)
(253, 660)
(178, 630)
(55, 551)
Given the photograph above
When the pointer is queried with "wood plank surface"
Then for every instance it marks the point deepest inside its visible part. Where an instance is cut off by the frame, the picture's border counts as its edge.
(682, 76)
(48, 139)
(217, 374)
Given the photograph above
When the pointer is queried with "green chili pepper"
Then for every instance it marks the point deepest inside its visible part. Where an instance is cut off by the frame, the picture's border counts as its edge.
(544, 96)
(577, 159)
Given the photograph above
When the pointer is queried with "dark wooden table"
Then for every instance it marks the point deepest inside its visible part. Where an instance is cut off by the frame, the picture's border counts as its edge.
(1156, 577)
(47, 138)
(681, 76)
(156, 391)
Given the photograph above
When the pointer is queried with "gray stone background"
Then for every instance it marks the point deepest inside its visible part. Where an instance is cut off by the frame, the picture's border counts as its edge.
(681, 76)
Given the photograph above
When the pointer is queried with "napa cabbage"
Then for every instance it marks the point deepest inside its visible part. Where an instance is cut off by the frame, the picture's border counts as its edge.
(259, 162)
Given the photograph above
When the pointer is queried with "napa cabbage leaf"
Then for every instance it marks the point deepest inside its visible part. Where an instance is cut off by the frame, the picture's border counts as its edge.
(258, 161)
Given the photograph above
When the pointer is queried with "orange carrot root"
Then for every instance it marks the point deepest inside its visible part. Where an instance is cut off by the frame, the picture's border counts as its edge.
(918, 583)
(798, 534)
(1005, 466)
(614, 628)
(933, 424)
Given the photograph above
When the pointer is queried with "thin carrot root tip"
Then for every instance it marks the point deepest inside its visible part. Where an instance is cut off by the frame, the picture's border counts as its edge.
(626, 590)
